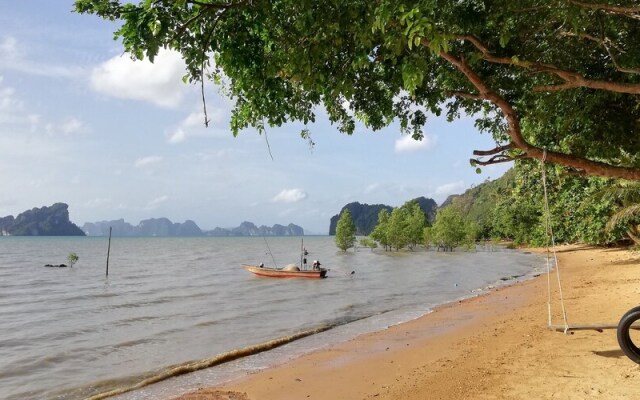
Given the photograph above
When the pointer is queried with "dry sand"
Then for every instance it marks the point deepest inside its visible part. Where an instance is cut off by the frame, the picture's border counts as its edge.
(495, 346)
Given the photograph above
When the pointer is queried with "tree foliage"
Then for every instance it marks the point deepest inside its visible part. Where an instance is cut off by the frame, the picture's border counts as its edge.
(380, 232)
(397, 228)
(416, 222)
(451, 229)
(401, 228)
(625, 197)
(370, 243)
(557, 80)
(72, 258)
(512, 207)
(345, 231)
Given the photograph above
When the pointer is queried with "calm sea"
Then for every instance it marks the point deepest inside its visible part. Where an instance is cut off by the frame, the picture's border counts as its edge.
(69, 333)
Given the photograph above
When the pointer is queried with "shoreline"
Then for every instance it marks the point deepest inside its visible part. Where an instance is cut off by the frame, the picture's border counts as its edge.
(494, 345)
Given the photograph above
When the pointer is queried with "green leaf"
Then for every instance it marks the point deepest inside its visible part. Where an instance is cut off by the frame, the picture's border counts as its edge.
(155, 27)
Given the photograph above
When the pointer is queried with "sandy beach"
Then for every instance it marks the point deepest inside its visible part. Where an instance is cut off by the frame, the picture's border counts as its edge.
(494, 346)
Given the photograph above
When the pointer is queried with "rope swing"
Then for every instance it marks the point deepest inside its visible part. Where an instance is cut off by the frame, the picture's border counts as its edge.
(551, 239)
(630, 320)
(551, 250)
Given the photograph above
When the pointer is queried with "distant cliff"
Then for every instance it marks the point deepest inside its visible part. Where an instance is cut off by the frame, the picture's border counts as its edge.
(147, 227)
(164, 227)
(45, 221)
(250, 229)
(365, 216)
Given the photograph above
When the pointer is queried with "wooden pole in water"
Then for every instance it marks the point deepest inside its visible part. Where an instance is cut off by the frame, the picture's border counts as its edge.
(108, 251)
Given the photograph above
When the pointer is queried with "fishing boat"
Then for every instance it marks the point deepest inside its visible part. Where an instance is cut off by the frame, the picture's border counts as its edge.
(290, 271)
(315, 271)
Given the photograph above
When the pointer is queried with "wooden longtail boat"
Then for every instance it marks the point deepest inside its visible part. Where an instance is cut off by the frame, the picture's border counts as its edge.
(286, 272)
(291, 270)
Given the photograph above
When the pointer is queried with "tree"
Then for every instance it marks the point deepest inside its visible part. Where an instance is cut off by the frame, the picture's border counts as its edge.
(370, 243)
(427, 236)
(517, 212)
(72, 258)
(554, 80)
(451, 229)
(403, 227)
(626, 195)
(380, 232)
(398, 228)
(345, 231)
(416, 222)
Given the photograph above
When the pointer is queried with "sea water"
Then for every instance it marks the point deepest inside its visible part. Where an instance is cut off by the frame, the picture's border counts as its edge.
(69, 333)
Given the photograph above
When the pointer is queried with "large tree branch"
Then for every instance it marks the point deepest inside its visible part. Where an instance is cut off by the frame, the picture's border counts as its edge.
(497, 159)
(572, 79)
(515, 133)
(466, 95)
(627, 11)
(497, 150)
(206, 8)
(607, 44)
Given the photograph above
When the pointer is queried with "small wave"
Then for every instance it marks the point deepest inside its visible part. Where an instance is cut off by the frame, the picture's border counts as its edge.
(137, 342)
(193, 366)
(131, 321)
(156, 301)
(206, 323)
(104, 295)
(352, 314)
(512, 277)
(31, 365)
(131, 304)
(63, 335)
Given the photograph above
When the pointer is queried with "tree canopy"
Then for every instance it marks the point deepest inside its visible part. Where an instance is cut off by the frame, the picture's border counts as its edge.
(451, 229)
(402, 227)
(513, 207)
(345, 231)
(557, 80)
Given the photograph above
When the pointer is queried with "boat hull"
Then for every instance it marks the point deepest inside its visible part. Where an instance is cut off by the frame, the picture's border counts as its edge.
(281, 273)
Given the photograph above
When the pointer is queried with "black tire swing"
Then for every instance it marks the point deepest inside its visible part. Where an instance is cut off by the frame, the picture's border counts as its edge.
(623, 332)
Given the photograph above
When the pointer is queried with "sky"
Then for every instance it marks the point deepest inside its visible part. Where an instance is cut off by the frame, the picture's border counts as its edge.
(83, 124)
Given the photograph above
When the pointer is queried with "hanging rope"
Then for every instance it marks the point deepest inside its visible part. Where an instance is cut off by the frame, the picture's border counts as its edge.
(549, 235)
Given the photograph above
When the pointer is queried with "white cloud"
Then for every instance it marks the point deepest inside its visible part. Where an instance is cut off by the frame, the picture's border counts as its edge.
(149, 161)
(193, 125)
(9, 48)
(290, 196)
(178, 136)
(13, 111)
(186, 128)
(71, 125)
(68, 126)
(371, 188)
(159, 82)
(14, 58)
(153, 204)
(408, 144)
(98, 202)
(8, 101)
(450, 188)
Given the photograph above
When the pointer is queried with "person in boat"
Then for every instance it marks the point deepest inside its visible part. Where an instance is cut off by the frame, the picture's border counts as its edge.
(261, 265)
(316, 264)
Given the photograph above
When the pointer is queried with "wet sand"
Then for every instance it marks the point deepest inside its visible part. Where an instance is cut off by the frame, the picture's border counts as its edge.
(494, 346)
